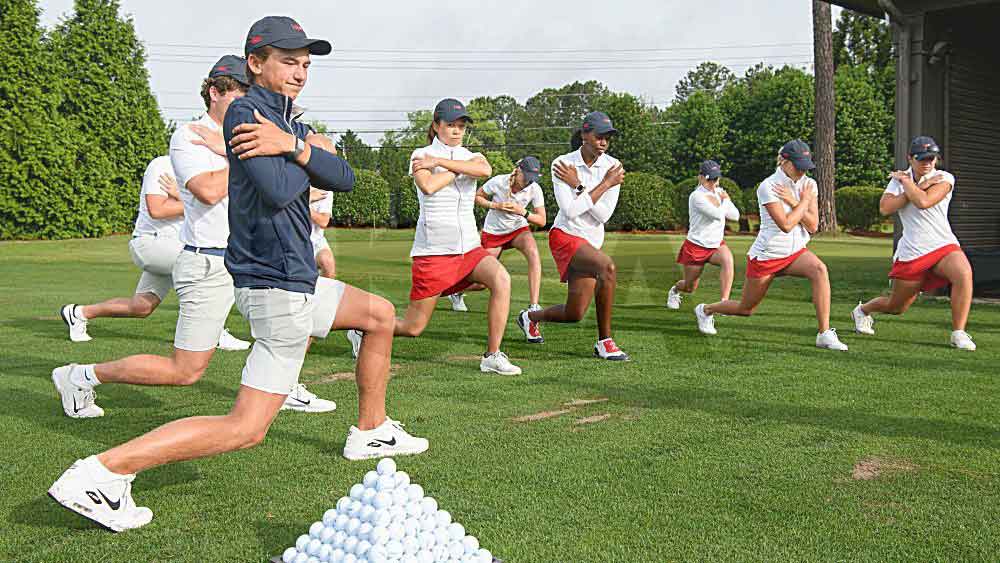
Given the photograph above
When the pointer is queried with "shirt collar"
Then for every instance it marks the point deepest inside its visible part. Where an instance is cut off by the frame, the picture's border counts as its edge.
(441, 145)
(577, 158)
(280, 103)
(782, 177)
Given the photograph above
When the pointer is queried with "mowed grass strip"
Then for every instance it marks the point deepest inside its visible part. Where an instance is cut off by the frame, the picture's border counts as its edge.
(752, 445)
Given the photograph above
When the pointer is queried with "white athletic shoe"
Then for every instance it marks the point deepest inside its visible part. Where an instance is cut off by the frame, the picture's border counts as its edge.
(535, 307)
(674, 298)
(706, 323)
(108, 502)
(830, 341)
(607, 350)
(863, 324)
(961, 340)
(529, 328)
(354, 337)
(458, 302)
(77, 402)
(498, 362)
(389, 439)
(230, 343)
(77, 326)
(302, 400)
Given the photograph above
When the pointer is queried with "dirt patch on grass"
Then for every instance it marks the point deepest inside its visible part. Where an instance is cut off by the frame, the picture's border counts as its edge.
(592, 419)
(316, 376)
(873, 467)
(540, 415)
(582, 402)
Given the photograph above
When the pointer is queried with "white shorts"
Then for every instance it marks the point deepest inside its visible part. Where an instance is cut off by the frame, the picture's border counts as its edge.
(319, 243)
(156, 256)
(205, 292)
(281, 323)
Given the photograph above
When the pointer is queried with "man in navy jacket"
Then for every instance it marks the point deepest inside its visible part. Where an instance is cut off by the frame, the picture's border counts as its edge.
(273, 161)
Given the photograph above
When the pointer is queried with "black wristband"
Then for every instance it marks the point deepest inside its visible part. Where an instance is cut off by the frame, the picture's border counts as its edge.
(579, 189)
(526, 213)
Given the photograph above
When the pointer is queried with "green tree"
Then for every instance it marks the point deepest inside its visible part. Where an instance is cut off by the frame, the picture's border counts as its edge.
(864, 129)
(353, 149)
(110, 103)
(708, 77)
(700, 132)
(866, 42)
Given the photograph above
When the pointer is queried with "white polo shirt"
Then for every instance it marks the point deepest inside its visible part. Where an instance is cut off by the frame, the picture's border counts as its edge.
(205, 226)
(447, 224)
(707, 222)
(500, 222)
(924, 230)
(144, 223)
(771, 242)
(578, 214)
(324, 205)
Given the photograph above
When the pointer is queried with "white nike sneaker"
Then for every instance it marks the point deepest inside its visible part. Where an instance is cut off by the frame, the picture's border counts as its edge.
(77, 326)
(108, 502)
(458, 302)
(961, 340)
(389, 439)
(529, 328)
(607, 350)
(77, 402)
(863, 324)
(535, 307)
(230, 343)
(498, 362)
(674, 298)
(830, 341)
(302, 400)
(706, 323)
(354, 337)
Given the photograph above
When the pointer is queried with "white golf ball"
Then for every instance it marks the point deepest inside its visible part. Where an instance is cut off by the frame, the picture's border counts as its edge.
(343, 503)
(441, 536)
(352, 526)
(329, 516)
(302, 542)
(471, 544)
(425, 556)
(365, 531)
(366, 513)
(368, 495)
(338, 539)
(411, 545)
(398, 513)
(379, 535)
(387, 466)
(312, 548)
(443, 518)
(382, 518)
(382, 500)
(324, 552)
(427, 541)
(356, 491)
(402, 478)
(456, 531)
(385, 483)
(416, 492)
(289, 555)
(427, 524)
(341, 521)
(316, 529)
(355, 508)
(312, 560)
(350, 544)
(399, 497)
(440, 552)
(362, 548)
(456, 550)
(414, 509)
(370, 478)
(430, 505)
(300, 557)
(396, 531)
(337, 556)
(394, 549)
(326, 536)
(350, 558)
(409, 558)
(412, 526)
(484, 556)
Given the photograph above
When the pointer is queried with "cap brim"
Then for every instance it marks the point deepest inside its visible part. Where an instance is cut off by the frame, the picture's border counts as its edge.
(531, 177)
(451, 118)
(608, 131)
(924, 155)
(316, 46)
(713, 176)
(804, 163)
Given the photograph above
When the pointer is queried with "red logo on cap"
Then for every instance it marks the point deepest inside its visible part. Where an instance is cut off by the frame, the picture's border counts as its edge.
(222, 68)
(296, 27)
(457, 106)
(256, 39)
(805, 153)
(606, 120)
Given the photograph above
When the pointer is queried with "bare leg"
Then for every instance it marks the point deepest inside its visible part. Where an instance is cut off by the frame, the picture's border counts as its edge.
(692, 273)
(579, 294)
(591, 274)
(200, 436)
(417, 315)
(139, 306)
(754, 290)
(723, 258)
(956, 269)
(183, 368)
(491, 273)
(525, 243)
(903, 294)
(326, 263)
(375, 317)
(809, 266)
(494, 252)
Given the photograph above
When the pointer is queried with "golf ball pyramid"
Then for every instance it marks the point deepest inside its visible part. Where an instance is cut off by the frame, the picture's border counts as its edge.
(386, 519)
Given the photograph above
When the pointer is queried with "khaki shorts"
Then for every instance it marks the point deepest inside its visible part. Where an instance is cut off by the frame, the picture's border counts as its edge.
(205, 294)
(281, 323)
(156, 256)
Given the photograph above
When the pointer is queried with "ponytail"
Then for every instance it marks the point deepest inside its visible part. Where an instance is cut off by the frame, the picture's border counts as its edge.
(431, 133)
(576, 140)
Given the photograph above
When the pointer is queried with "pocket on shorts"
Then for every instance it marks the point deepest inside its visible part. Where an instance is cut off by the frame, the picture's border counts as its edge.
(272, 311)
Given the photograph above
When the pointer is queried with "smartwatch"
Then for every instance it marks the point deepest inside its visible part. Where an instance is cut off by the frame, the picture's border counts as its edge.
(579, 189)
(300, 146)
(526, 213)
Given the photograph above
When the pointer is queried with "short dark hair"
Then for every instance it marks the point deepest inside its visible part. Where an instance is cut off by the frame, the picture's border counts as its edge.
(222, 84)
(262, 53)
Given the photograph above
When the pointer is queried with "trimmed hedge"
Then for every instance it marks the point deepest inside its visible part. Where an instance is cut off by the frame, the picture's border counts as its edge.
(685, 187)
(644, 203)
(405, 205)
(366, 206)
(857, 207)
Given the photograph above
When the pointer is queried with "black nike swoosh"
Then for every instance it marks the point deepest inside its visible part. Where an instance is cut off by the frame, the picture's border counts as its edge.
(387, 442)
(300, 400)
(113, 504)
(75, 409)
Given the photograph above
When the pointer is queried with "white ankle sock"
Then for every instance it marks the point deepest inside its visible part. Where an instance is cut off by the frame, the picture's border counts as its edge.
(101, 473)
(78, 313)
(84, 377)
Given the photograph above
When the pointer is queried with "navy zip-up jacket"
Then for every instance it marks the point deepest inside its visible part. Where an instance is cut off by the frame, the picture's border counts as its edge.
(269, 219)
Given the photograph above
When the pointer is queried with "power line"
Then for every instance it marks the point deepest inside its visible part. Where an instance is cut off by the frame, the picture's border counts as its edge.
(339, 61)
(509, 51)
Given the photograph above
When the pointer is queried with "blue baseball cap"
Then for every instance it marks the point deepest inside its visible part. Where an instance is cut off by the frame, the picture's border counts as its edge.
(798, 152)
(710, 169)
(531, 168)
(284, 33)
(599, 123)
(924, 147)
(450, 109)
(232, 66)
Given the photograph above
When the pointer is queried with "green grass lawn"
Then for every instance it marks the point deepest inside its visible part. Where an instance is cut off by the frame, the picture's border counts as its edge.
(750, 445)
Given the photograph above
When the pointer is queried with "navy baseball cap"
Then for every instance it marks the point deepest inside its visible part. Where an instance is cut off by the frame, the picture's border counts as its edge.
(923, 147)
(232, 66)
(710, 169)
(599, 123)
(450, 109)
(798, 152)
(284, 33)
(531, 168)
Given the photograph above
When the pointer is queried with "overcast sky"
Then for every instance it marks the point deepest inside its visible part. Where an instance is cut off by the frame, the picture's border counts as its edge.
(391, 55)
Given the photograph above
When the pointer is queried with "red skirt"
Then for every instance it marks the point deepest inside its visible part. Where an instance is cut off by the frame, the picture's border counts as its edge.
(692, 254)
(564, 246)
(763, 268)
(503, 242)
(919, 269)
(444, 274)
